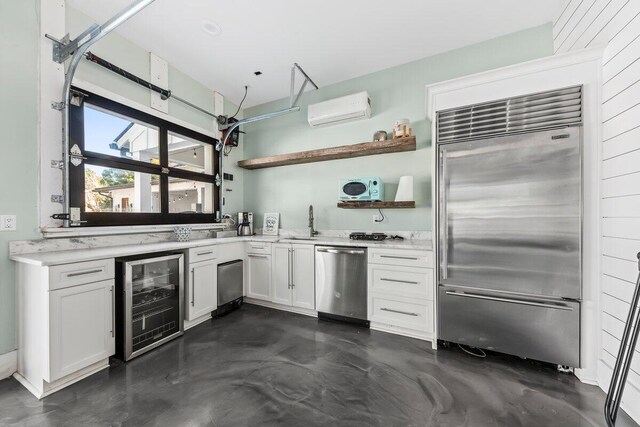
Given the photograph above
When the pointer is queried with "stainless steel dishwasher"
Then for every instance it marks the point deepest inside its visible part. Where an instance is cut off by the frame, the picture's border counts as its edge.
(229, 286)
(341, 283)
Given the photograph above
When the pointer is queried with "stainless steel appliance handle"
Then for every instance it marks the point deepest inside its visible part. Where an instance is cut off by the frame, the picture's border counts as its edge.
(510, 300)
(204, 253)
(400, 257)
(82, 273)
(257, 256)
(444, 229)
(341, 251)
(399, 312)
(113, 311)
(193, 287)
(399, 281)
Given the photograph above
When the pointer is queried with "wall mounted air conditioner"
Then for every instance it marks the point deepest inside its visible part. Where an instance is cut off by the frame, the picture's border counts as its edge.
(340, 110)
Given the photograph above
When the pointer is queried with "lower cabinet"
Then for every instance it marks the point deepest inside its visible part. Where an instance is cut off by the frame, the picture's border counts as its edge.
(82, 329)
(66, 323)
(259, 276)
(202, 290)
(293, 275)
(401, 292)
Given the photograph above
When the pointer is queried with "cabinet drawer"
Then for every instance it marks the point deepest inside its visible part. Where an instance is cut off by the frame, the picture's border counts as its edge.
(79, 273)
(422, 259)
(203, 253)
(402, 312)
(401, 281)
(259, 248)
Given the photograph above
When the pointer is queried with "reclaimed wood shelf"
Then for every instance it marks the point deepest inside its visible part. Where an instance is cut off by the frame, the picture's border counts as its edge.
(377, 205)
(332, 153)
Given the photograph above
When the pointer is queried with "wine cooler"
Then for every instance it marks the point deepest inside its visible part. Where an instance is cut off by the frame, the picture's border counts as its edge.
(150, 293)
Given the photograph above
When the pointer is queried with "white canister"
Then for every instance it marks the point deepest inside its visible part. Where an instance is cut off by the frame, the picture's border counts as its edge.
(405, 189)
(400, 127)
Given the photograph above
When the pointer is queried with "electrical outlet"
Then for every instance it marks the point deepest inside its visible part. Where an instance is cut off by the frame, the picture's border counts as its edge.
(8, 223)
(376, 218)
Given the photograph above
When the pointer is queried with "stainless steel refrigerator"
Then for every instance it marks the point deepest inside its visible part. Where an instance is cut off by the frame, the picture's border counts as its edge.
(510, 218)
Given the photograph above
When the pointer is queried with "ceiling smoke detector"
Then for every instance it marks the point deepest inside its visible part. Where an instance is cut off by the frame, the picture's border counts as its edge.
(211, 28)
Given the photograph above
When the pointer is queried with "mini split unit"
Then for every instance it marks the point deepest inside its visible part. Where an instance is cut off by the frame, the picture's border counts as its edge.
(340, 110)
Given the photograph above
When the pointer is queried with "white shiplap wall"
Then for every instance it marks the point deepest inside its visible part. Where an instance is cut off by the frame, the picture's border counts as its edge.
(616, 24)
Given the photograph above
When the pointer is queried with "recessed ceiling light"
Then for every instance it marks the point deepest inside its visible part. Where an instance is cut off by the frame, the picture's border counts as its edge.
(211, 28)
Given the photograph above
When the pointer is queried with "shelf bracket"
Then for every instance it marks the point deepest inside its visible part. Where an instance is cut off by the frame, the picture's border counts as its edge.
(293, 97)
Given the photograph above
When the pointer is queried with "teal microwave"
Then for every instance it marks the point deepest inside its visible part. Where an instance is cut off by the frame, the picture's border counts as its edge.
(361, 190)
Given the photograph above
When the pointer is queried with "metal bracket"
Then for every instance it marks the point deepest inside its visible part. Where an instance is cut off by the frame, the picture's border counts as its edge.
(57, 105)
(63, 49)
(165, 171)
(57, 198)
(218, 181)
(294, 100)
(57, 164)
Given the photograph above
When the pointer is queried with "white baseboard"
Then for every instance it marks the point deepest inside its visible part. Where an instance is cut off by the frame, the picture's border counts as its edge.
(188, 324)
(8, 364)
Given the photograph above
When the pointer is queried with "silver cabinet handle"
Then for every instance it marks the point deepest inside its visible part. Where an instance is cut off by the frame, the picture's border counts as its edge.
(399, 257)
(558, 306)
(204, 253)
(257, 256)
(293, 272)
(113, 312)
(399, 312)
(399, 281)
(289, 268)
(82, 273)
(193, 287)
(342, 251)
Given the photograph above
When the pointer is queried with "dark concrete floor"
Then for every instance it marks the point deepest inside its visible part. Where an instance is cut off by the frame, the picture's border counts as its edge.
(258, 366)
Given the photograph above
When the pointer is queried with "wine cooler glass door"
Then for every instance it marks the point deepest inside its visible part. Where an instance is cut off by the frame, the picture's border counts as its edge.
(155, 314)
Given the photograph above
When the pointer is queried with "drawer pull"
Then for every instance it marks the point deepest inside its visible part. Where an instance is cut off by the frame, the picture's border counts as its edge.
(399, 257)
(399, 312)
(82, 273)
(558, 306)
(257, 256)
(400, 281)
(204, 253)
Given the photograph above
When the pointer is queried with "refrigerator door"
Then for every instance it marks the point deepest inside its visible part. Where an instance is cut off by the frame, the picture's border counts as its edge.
(510, 213)
(540, 329)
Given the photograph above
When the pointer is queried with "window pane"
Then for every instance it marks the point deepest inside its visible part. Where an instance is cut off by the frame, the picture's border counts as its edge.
(188, 196)
(118, 190)
(107, 133)
(189, 154)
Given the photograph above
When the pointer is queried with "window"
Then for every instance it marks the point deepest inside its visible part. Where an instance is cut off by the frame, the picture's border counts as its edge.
(139, 169)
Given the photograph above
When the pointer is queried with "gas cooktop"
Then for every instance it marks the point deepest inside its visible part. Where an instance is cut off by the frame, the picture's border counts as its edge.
(372, 236)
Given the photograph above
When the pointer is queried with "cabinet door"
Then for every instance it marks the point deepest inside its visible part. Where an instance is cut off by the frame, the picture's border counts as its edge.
(259, 280)
(303, 281)
(281, 274)
(81, 327)
(202, 292)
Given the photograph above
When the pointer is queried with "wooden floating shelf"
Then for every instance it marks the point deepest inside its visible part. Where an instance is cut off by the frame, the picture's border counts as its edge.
(377, 205)
(332, 153)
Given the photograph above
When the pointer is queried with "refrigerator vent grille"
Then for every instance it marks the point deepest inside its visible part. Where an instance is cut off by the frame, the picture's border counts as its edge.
(545, 110)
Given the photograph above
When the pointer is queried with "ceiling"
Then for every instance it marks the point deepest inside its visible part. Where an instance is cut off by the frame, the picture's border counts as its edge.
(333, 40)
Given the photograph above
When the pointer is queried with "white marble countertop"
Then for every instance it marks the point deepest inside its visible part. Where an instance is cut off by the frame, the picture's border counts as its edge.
(79, 255)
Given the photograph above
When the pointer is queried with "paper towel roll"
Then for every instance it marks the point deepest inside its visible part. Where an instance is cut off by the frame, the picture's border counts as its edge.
(405, 189)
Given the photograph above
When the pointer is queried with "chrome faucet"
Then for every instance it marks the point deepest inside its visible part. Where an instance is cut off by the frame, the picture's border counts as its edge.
(312, 232)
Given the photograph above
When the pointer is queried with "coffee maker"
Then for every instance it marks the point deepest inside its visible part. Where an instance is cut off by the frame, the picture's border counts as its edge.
(245, 223)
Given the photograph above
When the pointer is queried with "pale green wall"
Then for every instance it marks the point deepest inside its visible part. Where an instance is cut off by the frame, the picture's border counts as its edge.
(19, 30)
(398, 92)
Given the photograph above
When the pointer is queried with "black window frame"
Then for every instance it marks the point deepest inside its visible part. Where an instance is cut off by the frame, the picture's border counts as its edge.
(164, 217)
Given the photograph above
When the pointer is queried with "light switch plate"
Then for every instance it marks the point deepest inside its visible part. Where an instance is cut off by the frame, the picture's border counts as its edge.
(8, 223)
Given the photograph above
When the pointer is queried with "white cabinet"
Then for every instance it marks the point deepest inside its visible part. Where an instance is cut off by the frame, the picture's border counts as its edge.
(66, 327)
(293, 275)
(259, 276)
(81, 327)
(401, 292)
(201, 292)
(202, 289)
